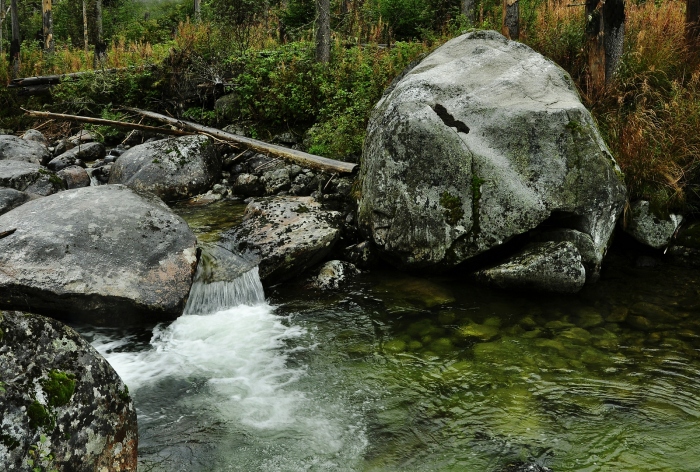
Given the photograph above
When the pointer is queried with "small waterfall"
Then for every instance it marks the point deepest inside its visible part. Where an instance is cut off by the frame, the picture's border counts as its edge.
(223, 280)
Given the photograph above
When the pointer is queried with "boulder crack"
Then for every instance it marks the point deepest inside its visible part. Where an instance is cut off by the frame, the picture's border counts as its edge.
(450, 120)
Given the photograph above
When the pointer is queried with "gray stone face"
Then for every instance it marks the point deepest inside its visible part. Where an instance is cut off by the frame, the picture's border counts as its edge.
(248, 185)
(650, 229)
(287, 234)
(57, 386)
(549, 267)
(11, 198)
(104, 255)
(29, 177)
(482, 141)
(173, 168)
(17, 149)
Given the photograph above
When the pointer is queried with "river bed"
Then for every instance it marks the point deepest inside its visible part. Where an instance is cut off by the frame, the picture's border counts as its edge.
(405, 373)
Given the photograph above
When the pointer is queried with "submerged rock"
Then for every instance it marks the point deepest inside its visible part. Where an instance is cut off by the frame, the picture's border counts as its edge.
(29, 177)
(63, 406)
(104, 255)
(13, 148)
(549, 266)
(650, 229)
(173, 168)
(288, 234)
(457, 163)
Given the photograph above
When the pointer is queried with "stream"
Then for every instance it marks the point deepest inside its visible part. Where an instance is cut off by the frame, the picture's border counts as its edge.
(404, 373)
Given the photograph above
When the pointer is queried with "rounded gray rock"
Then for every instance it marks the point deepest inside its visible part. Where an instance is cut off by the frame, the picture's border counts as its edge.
(74, 177)
(482, 141)
(29, 177)
(173, 168)
(11, 198)
(63, 406)
(17, 149)
(104, 255)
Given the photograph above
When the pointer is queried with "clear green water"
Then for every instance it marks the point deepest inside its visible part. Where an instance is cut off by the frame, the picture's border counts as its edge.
(401, 373)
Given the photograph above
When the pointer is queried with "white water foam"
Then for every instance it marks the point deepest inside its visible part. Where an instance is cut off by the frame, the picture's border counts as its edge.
(241, 354)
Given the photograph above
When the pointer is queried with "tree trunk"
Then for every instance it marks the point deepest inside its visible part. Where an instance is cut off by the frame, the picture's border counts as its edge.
(47, 25)
(85, 28)
(14, 45)
(100, 47)
(469, 10)
(595, 34)
(692, 21)
(511, 19)
(197, 10)
(614, 31)
(323, 31)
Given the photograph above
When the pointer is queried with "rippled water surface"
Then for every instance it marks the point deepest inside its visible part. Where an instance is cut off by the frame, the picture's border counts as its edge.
(401, 373)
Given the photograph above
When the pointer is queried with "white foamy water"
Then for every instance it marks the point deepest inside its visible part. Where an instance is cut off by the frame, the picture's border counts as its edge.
(240, 355)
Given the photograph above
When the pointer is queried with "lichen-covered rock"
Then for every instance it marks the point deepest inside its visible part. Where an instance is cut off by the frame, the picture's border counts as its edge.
(173, 168)
(549, 266)
(11, 198)
(77, 156)
(13, 148)
(248, 185)
(482, 141)
(276, 181)
(74, 177)
(333, 274)
(104, 255)
(63, 406)
(650, 229)
(287, 234)
(29, 177)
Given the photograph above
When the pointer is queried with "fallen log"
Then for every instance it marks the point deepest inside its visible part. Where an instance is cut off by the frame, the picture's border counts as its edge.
(302, 158)
(114, 124)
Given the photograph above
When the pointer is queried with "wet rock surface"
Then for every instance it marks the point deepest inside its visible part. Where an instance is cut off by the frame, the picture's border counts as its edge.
(104, 255)
(13, 148)
(456, 164)
(287, 234)
(29, 177)
(77, 156)
(63, 406)
(173, 168)
(549, 267)
(333, 275)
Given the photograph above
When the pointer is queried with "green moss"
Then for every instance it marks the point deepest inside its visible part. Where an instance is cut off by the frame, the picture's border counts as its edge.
(574, 126)
(453, 208)
(124, 394)
(302, 209)
(39, 416)
(59, 387)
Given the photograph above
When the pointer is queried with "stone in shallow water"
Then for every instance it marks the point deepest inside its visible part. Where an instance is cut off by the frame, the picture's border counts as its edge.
(479, 331)
(548, 266)
(650, 229)
(57, 386)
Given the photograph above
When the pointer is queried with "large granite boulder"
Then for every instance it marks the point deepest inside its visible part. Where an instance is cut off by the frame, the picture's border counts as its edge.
(482, 141)
(29, 177)
(105, 255)
(173, 168)
(62, 406)
(287, 234)
(17, 149)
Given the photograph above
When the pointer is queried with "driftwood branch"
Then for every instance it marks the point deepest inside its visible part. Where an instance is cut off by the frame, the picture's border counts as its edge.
(100, 121)
(4, 234)
(302, 158)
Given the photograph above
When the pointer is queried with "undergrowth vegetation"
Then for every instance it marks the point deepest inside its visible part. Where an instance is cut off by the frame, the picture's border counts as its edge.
(264, 62)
